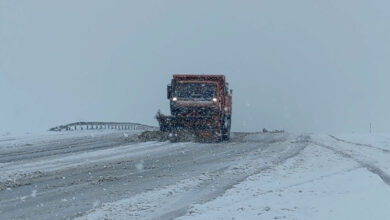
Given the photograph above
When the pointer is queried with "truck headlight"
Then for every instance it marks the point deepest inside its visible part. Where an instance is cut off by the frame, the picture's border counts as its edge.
(215, 99)
(174, 99)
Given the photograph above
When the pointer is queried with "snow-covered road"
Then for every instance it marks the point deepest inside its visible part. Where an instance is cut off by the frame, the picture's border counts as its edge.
(110, 175)
(343, 177)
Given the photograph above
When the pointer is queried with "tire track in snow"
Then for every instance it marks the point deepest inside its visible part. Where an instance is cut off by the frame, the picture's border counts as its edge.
(219, 186)
(215, 185)
(369, 166)
(359, 144)
(19, 171)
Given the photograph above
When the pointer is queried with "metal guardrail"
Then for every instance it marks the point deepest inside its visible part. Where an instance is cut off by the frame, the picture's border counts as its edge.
(102, 125)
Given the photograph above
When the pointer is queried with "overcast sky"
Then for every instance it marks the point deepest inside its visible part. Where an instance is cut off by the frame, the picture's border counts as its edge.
(302, 65)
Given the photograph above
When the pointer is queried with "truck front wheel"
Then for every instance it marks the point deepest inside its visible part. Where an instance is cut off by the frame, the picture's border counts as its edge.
(226, 126)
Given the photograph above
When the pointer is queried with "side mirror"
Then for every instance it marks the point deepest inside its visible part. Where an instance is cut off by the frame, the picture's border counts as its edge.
(169, 91)
(231, 91)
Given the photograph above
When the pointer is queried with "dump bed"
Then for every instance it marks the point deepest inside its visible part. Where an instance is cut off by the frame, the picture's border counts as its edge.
(220, 79)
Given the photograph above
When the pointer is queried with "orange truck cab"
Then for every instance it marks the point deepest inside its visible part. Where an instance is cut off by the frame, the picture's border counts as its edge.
(200, 103)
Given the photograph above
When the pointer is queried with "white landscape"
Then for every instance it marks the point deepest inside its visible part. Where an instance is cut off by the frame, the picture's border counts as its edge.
(194, 110)
(255, 176)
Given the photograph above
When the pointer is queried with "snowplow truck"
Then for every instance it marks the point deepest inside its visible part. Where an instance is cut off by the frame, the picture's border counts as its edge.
(201, 105)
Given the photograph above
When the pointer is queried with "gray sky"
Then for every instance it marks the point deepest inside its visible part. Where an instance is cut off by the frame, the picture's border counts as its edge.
(302, 65)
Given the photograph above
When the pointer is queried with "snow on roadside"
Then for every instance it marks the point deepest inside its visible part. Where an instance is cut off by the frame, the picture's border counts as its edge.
(316, 184)
(377, 140)
(374, 158)
(26, 140)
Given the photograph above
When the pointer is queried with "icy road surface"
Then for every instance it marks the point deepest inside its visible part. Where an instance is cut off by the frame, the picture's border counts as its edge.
(110, 175)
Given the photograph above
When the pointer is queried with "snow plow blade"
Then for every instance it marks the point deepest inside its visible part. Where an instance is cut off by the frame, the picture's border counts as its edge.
(204, 128)
(171, 123)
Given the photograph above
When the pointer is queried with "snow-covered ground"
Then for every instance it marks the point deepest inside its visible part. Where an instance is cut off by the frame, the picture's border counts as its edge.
(22, 145)
(344, 177)
(109, 175)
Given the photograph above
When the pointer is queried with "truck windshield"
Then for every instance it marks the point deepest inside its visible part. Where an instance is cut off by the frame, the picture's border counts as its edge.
(202, 91)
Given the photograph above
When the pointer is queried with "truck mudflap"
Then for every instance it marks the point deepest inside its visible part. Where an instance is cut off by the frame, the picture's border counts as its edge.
(174, 123)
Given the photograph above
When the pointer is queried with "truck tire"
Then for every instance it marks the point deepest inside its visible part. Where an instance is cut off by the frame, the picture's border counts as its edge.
(226, 126)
